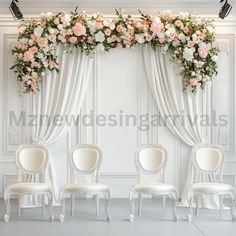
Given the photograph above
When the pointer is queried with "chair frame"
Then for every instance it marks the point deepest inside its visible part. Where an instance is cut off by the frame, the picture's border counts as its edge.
(141, 171)
(95, 171)
(21, 171)
(218, 174)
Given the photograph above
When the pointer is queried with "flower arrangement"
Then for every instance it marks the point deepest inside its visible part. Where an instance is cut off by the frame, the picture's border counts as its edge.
(191, 39)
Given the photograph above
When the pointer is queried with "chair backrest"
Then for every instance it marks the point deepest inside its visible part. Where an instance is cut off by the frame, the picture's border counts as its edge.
(150, 160)
(86, 160)
(208, 159)
(32, 159)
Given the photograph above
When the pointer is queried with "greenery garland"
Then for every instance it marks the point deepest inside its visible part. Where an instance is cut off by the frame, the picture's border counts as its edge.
(191, 38)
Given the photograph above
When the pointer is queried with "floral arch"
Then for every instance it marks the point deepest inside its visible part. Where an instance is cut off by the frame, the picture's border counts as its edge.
(190, 38)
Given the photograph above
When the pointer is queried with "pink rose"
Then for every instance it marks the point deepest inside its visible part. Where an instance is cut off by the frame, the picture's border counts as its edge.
(79, 29)
(33, 49)
(72, 39)
(193, 82)
(138, 24)
(178, 23)
(33, 37)
(28, 56)
(52, 37)
(148, 38)
(196, 40)
(98, 25)
(167, 15)
(107, 32)
(186, 29)
(119, 28)
(113, 38)
(199, 64)
(42, 42)
(90, 40)
(190, 44)
(156, 28)
(161, 40)
(173, 36)
(63, 32)
(24, 46)
(33, 64)
(203, 52)
(28, 82)
(56, 21)
(118, 45)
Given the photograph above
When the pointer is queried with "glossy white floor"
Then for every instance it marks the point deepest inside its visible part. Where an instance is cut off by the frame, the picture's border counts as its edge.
(86, 223)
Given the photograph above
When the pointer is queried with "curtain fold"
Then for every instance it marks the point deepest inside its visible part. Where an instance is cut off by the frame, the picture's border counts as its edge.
(61, 98)
(181, 112)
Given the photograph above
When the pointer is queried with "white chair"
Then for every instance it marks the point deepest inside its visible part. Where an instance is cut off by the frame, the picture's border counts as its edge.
(30, 160)
(208, 162)
(85, 160)
(151, 160)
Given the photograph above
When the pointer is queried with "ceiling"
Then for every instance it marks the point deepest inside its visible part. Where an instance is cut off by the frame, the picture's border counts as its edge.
(202, 7)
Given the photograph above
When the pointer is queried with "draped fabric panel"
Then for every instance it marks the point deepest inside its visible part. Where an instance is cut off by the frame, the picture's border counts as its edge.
(181, 111)
(61, 97)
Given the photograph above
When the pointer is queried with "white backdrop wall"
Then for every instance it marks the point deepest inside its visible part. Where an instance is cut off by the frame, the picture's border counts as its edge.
(118, 87)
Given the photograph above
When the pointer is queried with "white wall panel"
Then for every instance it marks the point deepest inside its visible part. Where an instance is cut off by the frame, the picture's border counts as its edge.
(118, 84)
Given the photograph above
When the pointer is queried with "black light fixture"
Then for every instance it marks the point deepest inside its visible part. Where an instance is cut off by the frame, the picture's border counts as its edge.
(15, 10)
(225, 9)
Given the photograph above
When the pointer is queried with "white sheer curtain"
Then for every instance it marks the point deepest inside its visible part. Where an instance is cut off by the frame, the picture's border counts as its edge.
(61, 96)
(181, 111)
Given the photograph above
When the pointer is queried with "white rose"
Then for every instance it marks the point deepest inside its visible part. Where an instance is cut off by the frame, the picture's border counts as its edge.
(92, 27)
(49, 15)
(95, 16)
(167, 33)
(202, 45)
(176, 43)
(40, 55)
(66, 19)
(182, 37)
(38, 31)
(194, 36)
(112, 26)
(99, 37)
(61, 38)
(157, 20)
(172, 30)
(105, 23)
(51, 30)
(109, 40)
(210, 29)
(139, 38)
(214, 58)
(100, 47)
(60, 26)
(183, 15)
(161, 35)
(31, 42)
(188, 54)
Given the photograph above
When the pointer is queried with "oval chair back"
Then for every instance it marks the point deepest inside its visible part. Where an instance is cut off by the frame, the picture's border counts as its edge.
(151, 160)
(32, 160)
(86, 160)
(208, 161)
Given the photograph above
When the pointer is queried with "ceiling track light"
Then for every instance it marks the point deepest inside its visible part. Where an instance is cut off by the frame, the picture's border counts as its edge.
(225, 9)
(15, 10)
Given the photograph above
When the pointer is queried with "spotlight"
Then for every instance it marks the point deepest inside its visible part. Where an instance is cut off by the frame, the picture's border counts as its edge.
(15, 10)
(225, 9)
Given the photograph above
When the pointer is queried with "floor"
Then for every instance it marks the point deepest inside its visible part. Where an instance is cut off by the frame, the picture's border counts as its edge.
(86, 223)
